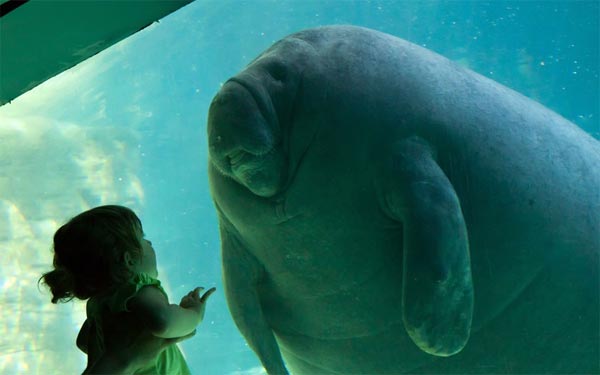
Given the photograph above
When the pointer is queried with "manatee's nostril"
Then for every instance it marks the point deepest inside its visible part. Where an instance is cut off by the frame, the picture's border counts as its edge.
(215, 143)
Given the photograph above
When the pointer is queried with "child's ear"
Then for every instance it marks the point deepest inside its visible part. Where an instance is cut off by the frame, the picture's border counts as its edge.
(129, 259)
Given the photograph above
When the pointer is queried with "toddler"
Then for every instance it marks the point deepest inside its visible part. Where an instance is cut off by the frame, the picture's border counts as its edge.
(101, 256)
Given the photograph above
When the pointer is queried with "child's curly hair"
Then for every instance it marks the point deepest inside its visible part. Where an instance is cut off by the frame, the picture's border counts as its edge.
(89, 252)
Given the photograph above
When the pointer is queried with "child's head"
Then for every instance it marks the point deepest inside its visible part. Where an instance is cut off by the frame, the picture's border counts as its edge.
(93, 251)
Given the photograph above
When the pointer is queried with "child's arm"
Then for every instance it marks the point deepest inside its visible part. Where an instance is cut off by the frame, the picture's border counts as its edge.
(168, 320)
(125, 360)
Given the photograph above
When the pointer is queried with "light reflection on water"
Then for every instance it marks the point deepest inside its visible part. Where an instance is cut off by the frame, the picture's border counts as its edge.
(53, 171)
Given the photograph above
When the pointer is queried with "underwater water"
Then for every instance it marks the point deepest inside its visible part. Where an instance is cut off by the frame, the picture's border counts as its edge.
(128, 126)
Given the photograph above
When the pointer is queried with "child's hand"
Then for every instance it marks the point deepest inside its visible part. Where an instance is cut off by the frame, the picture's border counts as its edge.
(193, 301)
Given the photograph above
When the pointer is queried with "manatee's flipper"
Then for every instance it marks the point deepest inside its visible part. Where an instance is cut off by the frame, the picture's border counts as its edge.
(437, 286)
(241, 274)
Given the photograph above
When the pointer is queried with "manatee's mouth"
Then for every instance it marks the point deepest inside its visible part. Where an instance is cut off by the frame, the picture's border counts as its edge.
(264, 174)
(241, 161)
(237, 157)
(242, 157)
(244, 165)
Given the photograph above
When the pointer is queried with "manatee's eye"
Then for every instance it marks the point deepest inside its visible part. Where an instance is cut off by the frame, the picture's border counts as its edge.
(277, 70)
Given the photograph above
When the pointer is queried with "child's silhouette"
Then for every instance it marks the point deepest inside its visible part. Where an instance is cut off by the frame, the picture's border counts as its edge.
(102, 255)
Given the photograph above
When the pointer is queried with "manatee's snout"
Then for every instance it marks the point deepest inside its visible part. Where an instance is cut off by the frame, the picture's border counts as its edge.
(242, 144)
(235, 124)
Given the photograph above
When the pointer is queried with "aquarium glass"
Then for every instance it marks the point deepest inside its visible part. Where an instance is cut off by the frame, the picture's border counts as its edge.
(128, 126)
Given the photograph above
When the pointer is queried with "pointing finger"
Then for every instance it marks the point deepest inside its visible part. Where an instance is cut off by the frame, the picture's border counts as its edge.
(207, 294)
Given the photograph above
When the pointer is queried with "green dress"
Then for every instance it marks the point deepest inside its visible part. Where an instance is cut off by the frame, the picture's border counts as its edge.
(170, 361)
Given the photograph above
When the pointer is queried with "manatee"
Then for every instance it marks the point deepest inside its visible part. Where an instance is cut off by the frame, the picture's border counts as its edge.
(383, 210)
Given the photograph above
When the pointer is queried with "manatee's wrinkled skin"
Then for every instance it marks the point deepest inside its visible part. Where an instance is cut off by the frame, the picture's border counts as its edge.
(383, 210)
